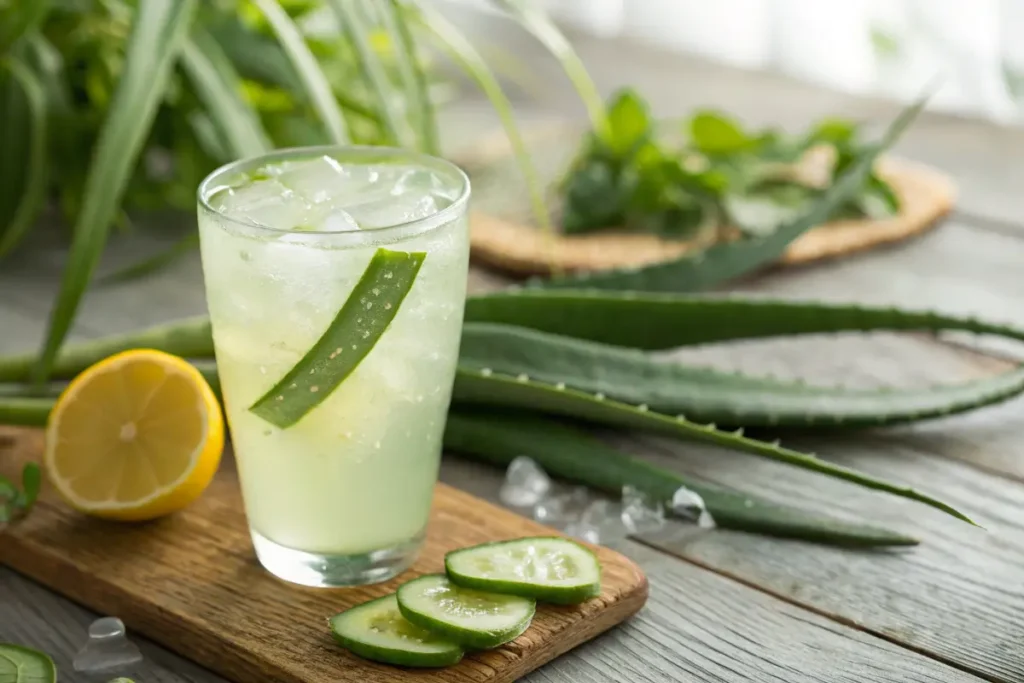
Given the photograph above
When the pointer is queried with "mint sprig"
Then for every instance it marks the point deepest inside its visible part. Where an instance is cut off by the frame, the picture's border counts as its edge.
(721, 174)
(15, 503)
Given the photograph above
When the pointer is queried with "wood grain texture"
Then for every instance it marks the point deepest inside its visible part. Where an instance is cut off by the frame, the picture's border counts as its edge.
(695, 627)
(191, 582)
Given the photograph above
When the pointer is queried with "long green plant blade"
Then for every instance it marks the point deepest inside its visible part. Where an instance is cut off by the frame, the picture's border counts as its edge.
(575, 455)
(318, 89)
(665, 321)
(727, 260)
(709, 395)
(413, 74)
(188, 338)
(357, 27)
(544, 30)
(31, 412)
(491, 389)
(33, 186)
(152, 264)
(261, 59)
(219, 88)
(159, 28)
(462, 52)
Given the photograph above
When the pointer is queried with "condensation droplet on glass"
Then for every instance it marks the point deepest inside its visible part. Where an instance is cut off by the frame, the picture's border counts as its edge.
(376, 444)
(245, 255)
(107, 647)
(263, 369)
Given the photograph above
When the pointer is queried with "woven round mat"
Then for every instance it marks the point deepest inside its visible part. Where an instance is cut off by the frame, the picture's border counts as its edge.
(504, 235)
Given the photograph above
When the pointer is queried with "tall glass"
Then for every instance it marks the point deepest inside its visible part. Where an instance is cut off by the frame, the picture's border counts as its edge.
(342, 496)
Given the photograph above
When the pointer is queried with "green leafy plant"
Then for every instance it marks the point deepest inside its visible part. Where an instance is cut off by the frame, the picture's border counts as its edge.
(631, 177)
(15, 502)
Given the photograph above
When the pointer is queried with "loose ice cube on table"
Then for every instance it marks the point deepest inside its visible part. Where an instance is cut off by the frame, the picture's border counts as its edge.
(562, 509)
(690, 505)
(641, 514)
(601, 523)
(107, 648)
(525, 483)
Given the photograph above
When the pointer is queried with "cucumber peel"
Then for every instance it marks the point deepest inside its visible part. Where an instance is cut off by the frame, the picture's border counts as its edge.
(376, 630)
(472, 618)
(546, 568)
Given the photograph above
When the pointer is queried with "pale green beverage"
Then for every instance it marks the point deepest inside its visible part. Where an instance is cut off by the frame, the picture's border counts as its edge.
(342, 495)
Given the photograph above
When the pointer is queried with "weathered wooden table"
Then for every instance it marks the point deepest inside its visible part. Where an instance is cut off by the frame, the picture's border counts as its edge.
(728, 606)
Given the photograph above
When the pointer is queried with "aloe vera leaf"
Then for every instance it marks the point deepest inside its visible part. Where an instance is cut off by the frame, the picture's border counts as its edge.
(493, 389)
(188, 338)
(158, 29)
(413, 74)
(218, 86)
(705, 394)
(573, 454)
(33, 189)
(725, 261)
(666, 321)
(31, 412)
(461, 51)
(308, 68)
(357, 29)
(20, 19)
(352, 334)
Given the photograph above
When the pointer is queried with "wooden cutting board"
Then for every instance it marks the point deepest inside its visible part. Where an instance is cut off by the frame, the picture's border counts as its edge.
(191, 582)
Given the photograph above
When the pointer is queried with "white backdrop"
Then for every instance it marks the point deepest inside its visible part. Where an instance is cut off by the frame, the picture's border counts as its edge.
(974, 48)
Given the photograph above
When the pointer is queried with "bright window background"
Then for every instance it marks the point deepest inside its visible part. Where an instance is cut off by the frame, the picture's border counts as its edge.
(973, 50)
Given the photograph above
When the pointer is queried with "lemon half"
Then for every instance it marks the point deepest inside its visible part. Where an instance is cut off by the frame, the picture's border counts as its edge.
(136, 436)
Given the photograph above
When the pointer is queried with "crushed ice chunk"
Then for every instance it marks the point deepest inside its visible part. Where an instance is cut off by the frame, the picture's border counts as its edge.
(107, 647)
(338, 221)
(265, 203)
(525, 483)
(640, 513)
(394, 210)
(690, 505)
(562, 509)
(601, 523)
(316, 180)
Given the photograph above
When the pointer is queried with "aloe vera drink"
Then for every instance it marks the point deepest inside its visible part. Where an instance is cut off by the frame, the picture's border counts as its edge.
(336, 493)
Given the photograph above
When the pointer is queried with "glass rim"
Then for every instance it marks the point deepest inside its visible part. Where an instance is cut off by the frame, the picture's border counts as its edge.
(438, 218)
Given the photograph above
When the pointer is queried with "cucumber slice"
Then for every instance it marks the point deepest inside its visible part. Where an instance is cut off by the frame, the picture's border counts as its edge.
(548, 568)
(377, 630)
(469, 617)
(24, 665)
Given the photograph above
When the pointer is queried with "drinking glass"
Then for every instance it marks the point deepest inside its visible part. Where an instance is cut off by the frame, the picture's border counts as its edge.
(337, 443)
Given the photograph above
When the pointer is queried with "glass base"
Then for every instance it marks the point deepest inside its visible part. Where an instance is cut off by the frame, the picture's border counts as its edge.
(313, 569)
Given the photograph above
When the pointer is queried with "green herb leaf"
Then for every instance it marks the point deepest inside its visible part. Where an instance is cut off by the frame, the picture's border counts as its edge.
(352, 334)
(312, 76)
(158, 30)
(8, 491)
(629, 122)
(713, 133)
(31, 483)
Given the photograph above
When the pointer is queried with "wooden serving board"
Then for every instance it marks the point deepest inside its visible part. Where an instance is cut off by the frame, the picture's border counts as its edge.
(191, 582)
